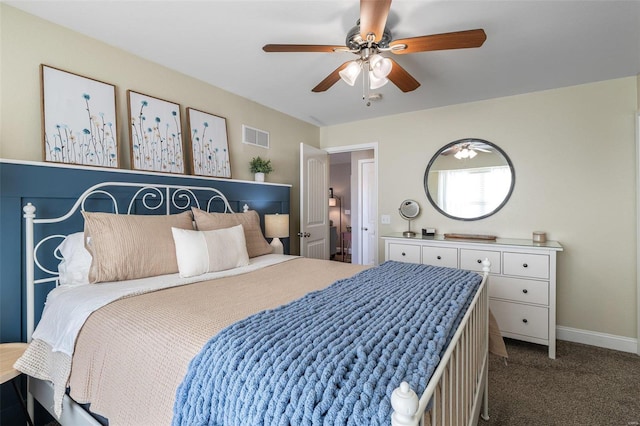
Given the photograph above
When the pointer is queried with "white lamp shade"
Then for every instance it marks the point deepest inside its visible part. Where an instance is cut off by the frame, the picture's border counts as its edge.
(276, 225)
(380, 66)
(375, 82)
(350, 73)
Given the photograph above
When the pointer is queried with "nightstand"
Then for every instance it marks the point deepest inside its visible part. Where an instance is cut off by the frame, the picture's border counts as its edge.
(9, 353)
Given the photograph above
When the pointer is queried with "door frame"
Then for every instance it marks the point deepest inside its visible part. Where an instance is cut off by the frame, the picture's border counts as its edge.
(638, 230)
(362, 147)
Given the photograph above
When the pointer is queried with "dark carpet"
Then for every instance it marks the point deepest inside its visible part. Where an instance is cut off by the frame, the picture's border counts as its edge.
(584, 385)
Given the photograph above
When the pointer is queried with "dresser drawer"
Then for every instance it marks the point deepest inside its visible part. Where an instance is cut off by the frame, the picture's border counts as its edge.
(526, 265)
(519, 290)
(440, 256)
(521, 319)
(472, 260)
(404, 253)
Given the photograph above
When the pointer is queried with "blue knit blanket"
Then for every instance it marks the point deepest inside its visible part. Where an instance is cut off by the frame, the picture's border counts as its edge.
(332, 357)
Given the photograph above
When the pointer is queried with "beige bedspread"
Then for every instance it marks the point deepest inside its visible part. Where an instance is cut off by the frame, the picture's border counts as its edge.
(132, 354)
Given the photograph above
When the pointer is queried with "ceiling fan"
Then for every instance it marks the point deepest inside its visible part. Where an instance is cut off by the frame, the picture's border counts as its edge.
(369, 38)
(467, 149)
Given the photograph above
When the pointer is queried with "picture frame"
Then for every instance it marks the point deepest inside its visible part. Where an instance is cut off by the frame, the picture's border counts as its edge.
(209, 144)
(155, 134)
(79, 120)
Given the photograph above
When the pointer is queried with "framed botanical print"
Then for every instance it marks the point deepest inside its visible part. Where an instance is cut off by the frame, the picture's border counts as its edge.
(78, 119)
(208, 144)
(155, 134)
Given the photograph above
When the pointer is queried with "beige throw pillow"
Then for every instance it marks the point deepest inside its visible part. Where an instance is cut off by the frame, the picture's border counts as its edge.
(126, 247)
(250, 221)
(199, 252)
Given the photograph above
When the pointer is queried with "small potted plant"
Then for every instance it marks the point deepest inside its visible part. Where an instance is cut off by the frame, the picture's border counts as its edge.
(260, 167)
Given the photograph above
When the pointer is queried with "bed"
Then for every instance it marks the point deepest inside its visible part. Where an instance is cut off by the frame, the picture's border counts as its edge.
(148, 347)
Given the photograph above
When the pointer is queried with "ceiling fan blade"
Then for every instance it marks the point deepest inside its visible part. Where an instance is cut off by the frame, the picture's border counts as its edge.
(373, 17)
(401, 78)
(454, 40)
(303, 48)
(331, 79)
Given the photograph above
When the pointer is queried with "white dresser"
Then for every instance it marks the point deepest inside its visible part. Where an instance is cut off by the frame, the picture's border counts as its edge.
(522, 284)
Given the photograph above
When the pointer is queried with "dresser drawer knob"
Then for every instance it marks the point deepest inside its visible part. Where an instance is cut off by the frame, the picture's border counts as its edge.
(525, 291)
(479, 260)
(439, 257)
(404, 254)
(525, 320)
(524, 265)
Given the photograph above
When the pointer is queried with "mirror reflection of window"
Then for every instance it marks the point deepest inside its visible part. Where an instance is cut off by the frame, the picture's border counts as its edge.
(473, 192)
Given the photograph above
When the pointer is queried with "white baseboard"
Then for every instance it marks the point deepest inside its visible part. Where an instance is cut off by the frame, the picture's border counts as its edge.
(593, 338)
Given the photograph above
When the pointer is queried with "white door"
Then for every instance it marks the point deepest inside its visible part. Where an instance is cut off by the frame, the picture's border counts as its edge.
(368, 211)
(314, 202)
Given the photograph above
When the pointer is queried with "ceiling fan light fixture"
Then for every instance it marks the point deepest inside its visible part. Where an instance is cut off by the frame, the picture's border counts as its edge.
(376, 82)
(380, 66)
(465, 153)
(350, 73)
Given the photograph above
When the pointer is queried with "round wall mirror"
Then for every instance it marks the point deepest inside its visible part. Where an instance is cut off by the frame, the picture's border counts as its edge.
(409, 209)
(469, 179)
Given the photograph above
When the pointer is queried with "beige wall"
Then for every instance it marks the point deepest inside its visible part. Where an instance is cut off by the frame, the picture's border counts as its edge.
(573, 154)
(27, 41)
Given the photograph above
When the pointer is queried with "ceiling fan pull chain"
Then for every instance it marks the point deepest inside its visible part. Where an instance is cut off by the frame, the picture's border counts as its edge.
(368, 79)
(364, 78)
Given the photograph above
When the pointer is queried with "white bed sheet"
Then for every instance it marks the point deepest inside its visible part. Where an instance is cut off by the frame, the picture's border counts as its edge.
(59, 326)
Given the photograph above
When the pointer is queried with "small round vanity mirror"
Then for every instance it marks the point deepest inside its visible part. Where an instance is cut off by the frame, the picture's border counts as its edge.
(409, 209)
(469, 179)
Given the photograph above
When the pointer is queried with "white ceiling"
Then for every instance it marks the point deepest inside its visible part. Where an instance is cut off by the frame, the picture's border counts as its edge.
(531, 45)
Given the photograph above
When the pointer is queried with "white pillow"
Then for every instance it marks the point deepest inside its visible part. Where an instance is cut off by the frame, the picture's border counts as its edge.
(76, 260)
(199, 252)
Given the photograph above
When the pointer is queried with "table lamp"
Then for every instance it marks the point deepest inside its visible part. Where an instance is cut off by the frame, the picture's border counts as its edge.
(276, 227)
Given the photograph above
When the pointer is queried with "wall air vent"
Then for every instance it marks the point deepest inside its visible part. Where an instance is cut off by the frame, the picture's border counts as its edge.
(255, 137)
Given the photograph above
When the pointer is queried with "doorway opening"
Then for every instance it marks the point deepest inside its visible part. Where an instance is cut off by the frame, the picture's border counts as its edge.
(340, 206)
(353, 204)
